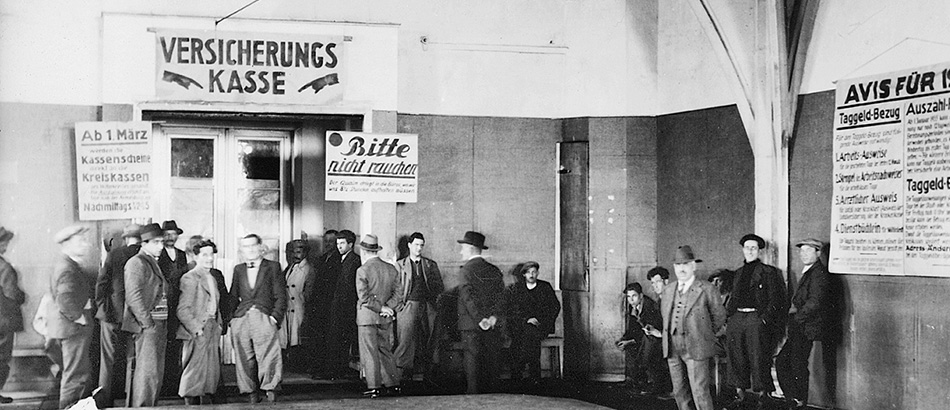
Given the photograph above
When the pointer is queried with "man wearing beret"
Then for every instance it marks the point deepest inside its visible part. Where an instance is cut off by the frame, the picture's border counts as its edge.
(692, 314)
(757, 310)
(110, 300)
(146, 317)
(480, 304)
(11, 317)
(70, 317)
(807, 316)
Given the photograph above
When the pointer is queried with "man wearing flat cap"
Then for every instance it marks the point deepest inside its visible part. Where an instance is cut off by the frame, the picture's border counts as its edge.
(378, 298)
(757, 309)
(692, 314)
(146, 317)
(174, 264)
(70, 317)
(11, 317)
(480, 304)
(110, 300)
(806, 319)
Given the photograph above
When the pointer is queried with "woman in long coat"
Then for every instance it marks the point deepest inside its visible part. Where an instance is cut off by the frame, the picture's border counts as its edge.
(201, 321)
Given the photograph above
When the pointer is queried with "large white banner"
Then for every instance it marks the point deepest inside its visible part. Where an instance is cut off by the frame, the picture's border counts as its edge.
(249, 67)
(890, 211)
(114, 169)
(372, 167)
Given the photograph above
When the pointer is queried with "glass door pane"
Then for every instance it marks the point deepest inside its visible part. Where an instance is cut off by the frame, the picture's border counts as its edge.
(259, 169)
(191, 182)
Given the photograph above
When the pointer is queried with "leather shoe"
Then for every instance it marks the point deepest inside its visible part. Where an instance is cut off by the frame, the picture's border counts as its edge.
(394, 391)
(253, 398)
(270, 396)
(5, 399)
(373, 393)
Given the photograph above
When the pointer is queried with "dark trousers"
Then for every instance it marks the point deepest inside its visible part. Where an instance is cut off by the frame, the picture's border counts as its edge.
(481, 349)
(172, 376)
(646, 366)
(6, 353)
(77, 367)
(526, 350)
(113, 348)
(792, 363)
(750, 352)
(342, 341)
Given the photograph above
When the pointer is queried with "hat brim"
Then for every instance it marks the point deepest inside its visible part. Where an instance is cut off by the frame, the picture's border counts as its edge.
(369, 247)
(679, 261)
(470, 243)
(813, 245)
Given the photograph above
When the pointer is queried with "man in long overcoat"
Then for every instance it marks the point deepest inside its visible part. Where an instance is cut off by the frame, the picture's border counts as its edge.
(480, 308)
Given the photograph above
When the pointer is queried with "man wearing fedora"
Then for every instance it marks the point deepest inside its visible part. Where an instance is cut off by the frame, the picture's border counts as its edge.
(807, 317)
(174, 264)
(378, 298)
(259, 299)
(71, 314)
(757, 309)
(11, 317)
(420, 288)
(110, 301)
(692, 313)
(480, 304)
(146, 317)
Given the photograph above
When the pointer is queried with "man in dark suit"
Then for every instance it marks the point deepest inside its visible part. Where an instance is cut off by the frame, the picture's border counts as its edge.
(146, 317)
(319, 313)
(174, 264)
(641, 340)
(692, 313)
(110, 301)
(757, 310)
(421, 286)
(532, 310)
(343, 328)
(70, 320)
(11, 318)
(480, 304)
(378, 293)
(807, 316)
(259, 296)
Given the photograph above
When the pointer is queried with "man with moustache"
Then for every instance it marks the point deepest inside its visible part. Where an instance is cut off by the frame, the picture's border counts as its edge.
(174, 264)
(692, 313)
(71, 315)
(110, 300)
(146, 317)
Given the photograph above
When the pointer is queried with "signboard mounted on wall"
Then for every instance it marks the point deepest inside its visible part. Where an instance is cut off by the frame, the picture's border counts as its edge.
(372, 167)
(114, 170)
(249, 67)
(890, 211)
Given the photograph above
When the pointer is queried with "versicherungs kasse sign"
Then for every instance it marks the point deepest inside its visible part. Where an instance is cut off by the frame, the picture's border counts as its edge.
(890, 210)
(114, 170)
(372, 167)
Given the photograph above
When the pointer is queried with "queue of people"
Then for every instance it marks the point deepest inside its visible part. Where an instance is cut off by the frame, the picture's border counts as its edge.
(741, 316)
(162, 314)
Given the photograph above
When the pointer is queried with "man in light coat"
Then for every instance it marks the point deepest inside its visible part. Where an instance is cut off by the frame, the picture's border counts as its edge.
(692, 314)
(421, 286)
(70, 318)
(146, 317)
(200, 328)
(378, 297)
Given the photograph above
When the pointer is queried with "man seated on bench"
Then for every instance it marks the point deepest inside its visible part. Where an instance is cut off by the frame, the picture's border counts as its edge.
(641, 342)
(532, 309)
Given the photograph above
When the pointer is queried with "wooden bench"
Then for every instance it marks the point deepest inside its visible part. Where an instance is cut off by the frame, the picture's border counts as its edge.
(553, 345)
